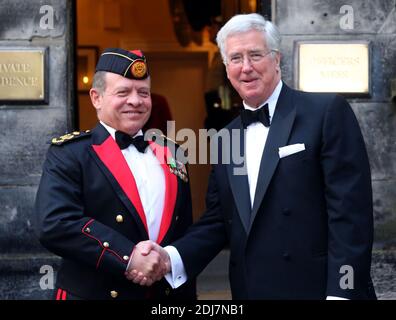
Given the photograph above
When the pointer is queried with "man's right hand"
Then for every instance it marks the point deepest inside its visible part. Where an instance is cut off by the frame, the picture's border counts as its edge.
(150, 262)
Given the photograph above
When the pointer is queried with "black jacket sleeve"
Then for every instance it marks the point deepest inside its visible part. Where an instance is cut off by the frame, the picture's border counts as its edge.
(348, 195)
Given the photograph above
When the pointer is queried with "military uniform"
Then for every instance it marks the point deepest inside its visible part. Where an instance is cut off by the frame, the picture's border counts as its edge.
(89, 213)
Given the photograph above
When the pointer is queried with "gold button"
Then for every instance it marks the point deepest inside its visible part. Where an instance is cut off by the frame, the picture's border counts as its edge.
(126, 258)
(120, 218)
(114, 294)
(167, 291)
(106, 244)
(87, 230)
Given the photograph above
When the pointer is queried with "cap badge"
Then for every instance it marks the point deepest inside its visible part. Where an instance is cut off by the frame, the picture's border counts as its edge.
(138, 69)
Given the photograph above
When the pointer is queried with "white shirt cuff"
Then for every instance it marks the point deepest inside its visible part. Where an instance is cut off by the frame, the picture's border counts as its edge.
(335, 298)
(178, 275)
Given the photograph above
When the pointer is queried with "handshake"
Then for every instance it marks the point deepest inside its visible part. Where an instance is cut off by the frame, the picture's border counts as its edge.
(149, 263)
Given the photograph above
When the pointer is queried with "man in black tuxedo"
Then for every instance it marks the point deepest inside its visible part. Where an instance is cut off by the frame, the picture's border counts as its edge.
(299, 224)
(105, 190)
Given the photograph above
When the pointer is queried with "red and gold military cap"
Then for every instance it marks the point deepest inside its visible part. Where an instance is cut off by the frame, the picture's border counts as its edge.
(129, 64)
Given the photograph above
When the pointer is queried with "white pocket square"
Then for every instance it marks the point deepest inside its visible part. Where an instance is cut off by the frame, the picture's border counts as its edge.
(291, 149)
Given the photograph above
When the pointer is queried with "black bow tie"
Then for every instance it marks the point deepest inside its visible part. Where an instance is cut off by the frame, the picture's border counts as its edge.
(261, 115)
(124, 140)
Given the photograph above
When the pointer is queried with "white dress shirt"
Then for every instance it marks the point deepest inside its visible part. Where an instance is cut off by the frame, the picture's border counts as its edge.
(150, 182)
(256, 137)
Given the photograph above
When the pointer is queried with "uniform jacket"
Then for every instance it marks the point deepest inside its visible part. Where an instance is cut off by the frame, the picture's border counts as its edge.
(312, 211)
(89, 213)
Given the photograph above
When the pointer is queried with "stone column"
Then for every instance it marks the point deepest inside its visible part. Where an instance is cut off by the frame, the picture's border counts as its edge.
(25, 129)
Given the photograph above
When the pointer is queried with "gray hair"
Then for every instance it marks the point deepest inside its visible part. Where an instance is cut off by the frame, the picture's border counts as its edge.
(245, 22)
(99, 81)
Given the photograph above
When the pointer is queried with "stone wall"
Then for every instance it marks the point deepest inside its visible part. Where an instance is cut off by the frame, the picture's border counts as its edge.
(25, 129)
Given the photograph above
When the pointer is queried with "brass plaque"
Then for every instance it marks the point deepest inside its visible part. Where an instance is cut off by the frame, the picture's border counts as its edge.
(341, 67)
(22, 75)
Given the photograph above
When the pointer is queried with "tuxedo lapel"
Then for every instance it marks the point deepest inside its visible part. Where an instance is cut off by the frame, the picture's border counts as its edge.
(237, 174)
(278, 136)
(111, 161)
(171, 185)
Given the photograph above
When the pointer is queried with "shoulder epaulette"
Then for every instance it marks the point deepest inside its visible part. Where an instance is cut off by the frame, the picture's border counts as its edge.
(69, 137)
